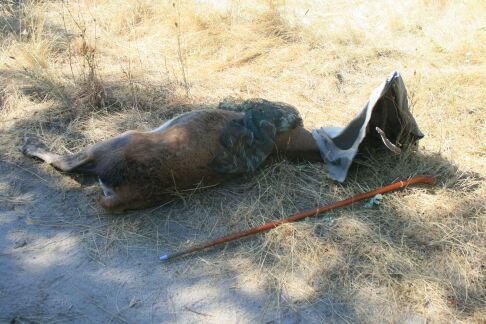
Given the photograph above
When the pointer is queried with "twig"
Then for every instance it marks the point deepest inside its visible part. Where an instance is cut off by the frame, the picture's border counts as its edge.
(179, 48)
(196, 312)
(68, 43)
(26, 170)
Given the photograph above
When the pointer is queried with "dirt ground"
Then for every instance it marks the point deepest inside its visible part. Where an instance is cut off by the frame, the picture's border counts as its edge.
(50, 274)
(77, 72)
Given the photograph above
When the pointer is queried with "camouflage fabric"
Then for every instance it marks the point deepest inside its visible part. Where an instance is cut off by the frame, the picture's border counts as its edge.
(247, 142)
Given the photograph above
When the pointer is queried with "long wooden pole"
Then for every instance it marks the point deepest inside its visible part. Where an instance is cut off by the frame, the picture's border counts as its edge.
(309, 213)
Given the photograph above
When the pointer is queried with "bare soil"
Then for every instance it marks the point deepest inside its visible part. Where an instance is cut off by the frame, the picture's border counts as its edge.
(53, 271)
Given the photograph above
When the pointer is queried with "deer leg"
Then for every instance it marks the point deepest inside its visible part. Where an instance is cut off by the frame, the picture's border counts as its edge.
(298, 145)
(69, 163)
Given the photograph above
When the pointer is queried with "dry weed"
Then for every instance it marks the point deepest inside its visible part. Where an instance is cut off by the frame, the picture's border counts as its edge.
(80, 71)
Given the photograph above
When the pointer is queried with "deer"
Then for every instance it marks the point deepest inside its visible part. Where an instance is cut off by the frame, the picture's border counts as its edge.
(206, 147)
(201, 148)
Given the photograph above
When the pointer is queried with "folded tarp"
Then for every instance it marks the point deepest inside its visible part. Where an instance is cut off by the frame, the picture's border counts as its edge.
(385, 121)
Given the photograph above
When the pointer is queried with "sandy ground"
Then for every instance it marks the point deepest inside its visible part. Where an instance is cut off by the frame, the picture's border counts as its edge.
(49, 274)
(76, 72)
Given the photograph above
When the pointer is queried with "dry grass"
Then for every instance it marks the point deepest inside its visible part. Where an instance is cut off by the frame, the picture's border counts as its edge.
(79, 72)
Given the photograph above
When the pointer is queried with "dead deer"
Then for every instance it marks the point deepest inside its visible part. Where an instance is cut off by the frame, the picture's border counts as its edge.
(206, 147)
(199, 148)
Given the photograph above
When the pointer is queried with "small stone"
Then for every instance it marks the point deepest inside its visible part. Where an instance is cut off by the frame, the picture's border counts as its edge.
(135, 302)
(20, 244)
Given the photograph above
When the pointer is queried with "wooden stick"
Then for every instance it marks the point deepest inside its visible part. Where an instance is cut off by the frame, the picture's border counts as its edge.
(309, 213)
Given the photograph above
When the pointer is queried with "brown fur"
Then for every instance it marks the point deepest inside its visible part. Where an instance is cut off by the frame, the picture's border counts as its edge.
(145, 168)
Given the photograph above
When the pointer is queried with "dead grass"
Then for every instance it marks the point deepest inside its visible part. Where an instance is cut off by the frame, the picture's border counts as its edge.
(83, 71)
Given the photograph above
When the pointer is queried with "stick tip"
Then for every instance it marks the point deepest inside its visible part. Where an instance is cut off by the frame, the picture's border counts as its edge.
(164, 257)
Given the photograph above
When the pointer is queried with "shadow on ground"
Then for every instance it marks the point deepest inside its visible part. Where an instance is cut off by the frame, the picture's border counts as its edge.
(68, 260)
